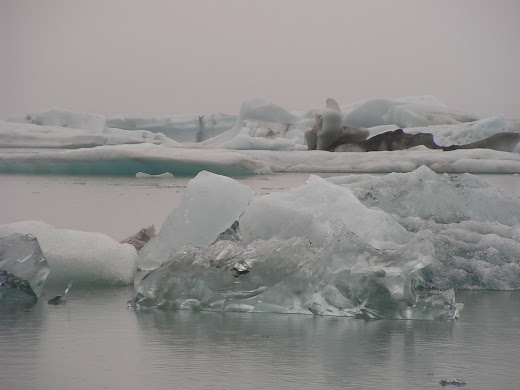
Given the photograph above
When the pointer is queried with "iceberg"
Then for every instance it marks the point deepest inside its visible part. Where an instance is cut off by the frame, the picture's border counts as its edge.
(211, 204)
(22, 135)
(23, 269)
(395, 246)
(86, 258)
(344, 277)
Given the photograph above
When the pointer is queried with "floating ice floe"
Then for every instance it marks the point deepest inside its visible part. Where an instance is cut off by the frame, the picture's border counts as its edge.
(348, 250)
(80, 256)
(154, 159)
(23, 135)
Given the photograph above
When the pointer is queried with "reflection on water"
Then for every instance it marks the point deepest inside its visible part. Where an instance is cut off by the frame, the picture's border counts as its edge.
(95, 342)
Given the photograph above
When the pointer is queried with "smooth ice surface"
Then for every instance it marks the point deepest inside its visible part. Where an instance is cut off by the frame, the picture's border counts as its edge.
(80, 256)
(210, 205)
(21, 255)
(306, 211)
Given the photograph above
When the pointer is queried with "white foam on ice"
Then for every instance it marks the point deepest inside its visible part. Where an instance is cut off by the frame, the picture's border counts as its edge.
(80, 256)
(210, 205)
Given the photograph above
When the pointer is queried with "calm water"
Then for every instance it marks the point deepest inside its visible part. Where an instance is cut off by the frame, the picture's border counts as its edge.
(95, 342)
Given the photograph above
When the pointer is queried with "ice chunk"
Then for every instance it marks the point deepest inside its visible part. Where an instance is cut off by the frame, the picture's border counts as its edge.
(21, 256)
(377, 112)
(80, 256)
(306, 211)
(252, 109)
(345, 277)
(443, 198)
(165, 175)
(210, 205)
(469, 255)
(64, 118)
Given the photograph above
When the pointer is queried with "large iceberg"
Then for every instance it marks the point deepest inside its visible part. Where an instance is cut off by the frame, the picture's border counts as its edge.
(210, 205)
(84, 257)
(23, 269)
(369, 247)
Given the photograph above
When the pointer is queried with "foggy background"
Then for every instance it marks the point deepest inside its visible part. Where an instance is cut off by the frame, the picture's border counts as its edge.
(147, 58)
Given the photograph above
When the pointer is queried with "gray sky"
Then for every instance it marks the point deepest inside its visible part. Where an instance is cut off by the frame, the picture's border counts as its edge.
(144, 58)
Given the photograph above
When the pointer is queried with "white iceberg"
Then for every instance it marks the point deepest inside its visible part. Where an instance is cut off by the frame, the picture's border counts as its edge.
(84, 257)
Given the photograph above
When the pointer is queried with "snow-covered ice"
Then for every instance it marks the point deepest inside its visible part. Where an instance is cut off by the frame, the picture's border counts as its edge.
(84, 257)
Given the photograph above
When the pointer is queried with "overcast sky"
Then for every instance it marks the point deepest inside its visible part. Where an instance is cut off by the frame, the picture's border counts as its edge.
(144, 58)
